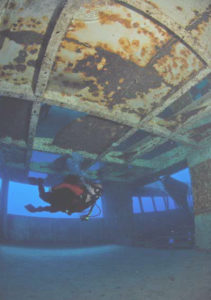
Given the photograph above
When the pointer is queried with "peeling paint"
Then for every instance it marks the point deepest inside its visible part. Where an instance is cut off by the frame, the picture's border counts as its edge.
(23, 37)
(199, 19)
(113, 62)
(116, 72)
(179, 65)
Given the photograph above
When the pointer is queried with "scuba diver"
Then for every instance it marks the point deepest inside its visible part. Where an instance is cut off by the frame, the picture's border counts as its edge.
(70, 196)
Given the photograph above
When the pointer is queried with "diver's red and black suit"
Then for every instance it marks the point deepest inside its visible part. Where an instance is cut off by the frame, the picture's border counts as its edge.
(70, 196)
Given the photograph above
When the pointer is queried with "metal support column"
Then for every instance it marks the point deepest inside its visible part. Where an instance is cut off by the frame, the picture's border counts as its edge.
(3, 207)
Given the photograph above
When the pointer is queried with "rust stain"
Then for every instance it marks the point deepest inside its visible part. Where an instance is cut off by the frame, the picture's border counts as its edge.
(58, 60)
(125, 43)
(127, 48)
(152, 4)
(45, 18)
(77, 25)
(136, 25)
(72, 44)
(199, 29)
(179, 8)
(183, 117)
(178, 64)
(27, 24)
(136, 43)
(143, 51)
(109, 18)
(199, 19)
(136, 79)
(32, 49)
(12, 73)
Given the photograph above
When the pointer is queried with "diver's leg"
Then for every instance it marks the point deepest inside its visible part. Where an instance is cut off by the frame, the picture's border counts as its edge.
(33, 209)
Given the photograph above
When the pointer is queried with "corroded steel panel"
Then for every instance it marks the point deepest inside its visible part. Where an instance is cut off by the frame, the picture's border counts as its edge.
(22, 31)
(105, 61)
(89, 134)
(178, 65)
(181, 17)
(121, 62)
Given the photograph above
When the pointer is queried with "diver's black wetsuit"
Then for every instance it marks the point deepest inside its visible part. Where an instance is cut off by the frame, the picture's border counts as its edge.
(64, 199)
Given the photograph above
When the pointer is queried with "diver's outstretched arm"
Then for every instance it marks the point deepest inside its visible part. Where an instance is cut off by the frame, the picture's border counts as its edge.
(33, 209)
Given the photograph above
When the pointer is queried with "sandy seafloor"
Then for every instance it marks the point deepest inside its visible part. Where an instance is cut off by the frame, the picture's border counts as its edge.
(105, 272)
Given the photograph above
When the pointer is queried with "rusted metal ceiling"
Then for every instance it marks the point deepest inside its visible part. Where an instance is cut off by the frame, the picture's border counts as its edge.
(125, 83)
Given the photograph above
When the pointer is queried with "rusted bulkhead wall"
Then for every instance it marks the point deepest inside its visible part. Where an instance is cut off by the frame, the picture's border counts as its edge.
(201, 178)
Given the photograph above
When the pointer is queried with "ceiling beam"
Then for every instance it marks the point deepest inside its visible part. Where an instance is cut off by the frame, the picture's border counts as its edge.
(102, 156)
(148, 124)
(61, 26)
(194, 112)
(147, 145)
(3, 8)
(32, 132)
(154, 128)
(9, 141)
(46, 145)
(169, 158)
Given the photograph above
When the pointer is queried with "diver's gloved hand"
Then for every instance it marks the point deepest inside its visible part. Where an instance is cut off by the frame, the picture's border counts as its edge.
(84, 218)
(30, 208)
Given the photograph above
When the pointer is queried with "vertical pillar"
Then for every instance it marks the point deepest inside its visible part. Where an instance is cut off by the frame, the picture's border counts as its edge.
(201, 186)
(153, 203)
(117, 209)
(3, 207)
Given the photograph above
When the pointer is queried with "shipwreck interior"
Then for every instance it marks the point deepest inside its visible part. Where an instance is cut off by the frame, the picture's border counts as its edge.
(119, 90)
